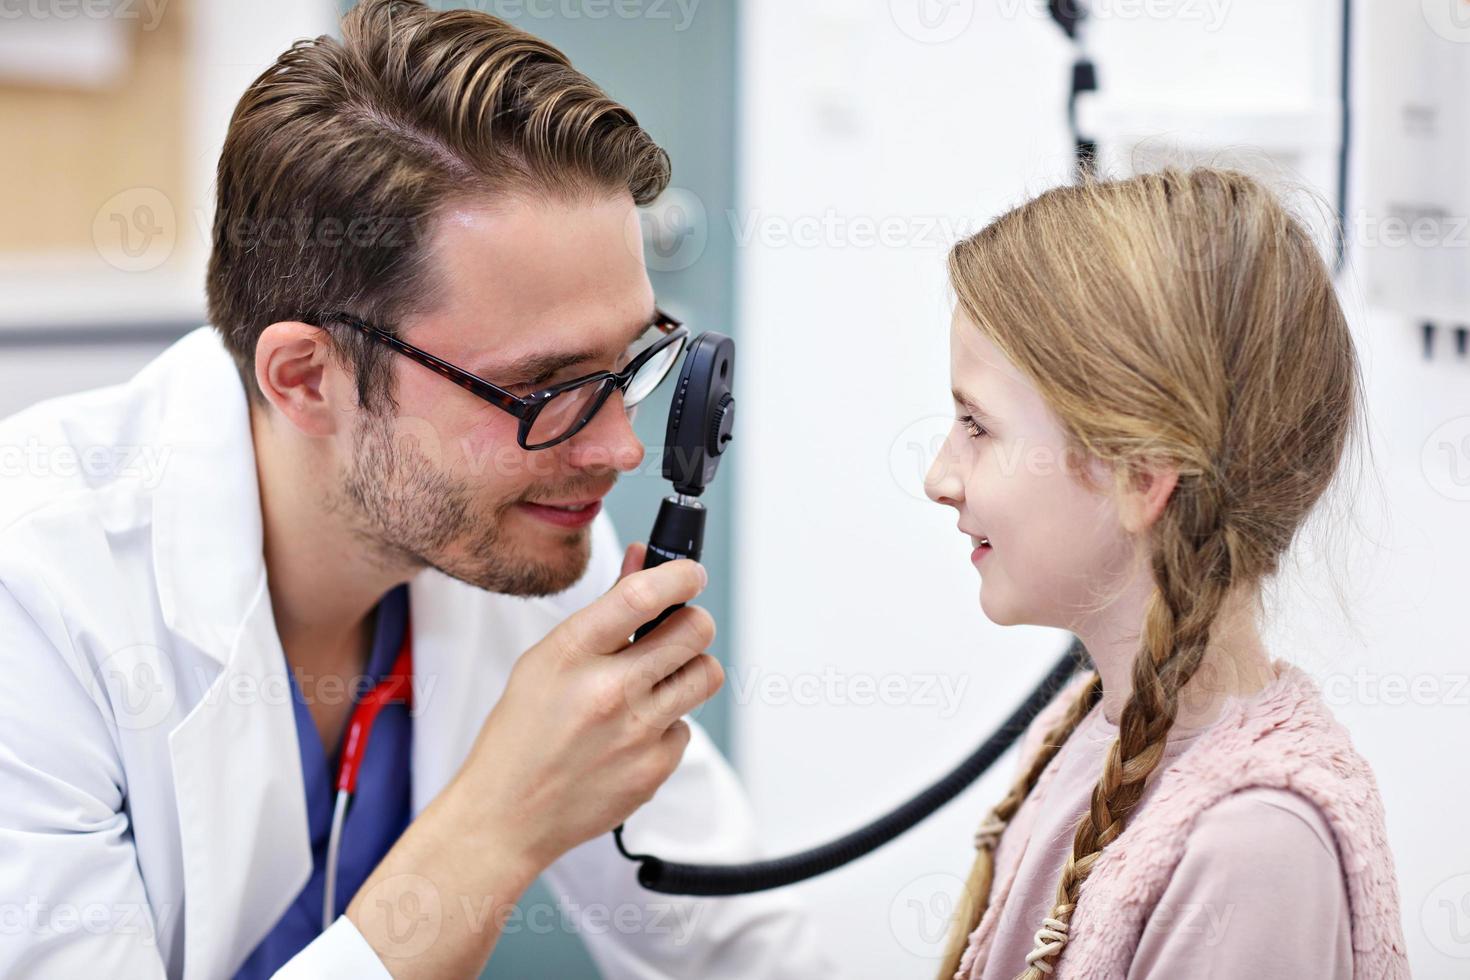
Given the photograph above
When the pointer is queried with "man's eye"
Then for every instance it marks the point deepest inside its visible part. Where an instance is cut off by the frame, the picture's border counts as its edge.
(526, 387)
(647, 339)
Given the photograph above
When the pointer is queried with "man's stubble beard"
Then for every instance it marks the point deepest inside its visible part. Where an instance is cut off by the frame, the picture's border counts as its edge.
(408, 512)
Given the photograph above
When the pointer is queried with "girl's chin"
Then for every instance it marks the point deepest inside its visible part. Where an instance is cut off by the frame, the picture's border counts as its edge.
(997, 611)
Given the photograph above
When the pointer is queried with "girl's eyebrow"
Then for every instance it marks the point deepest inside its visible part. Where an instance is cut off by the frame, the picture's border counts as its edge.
(969, 402)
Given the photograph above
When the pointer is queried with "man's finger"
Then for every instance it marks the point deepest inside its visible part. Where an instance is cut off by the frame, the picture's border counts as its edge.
(684, 635)
(633, 559)
(683, 691)
(606, 625)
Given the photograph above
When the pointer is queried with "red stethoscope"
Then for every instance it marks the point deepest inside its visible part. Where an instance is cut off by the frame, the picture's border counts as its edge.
(396, 687)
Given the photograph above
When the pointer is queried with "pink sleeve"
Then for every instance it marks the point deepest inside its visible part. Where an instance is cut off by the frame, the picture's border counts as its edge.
(1259, 893)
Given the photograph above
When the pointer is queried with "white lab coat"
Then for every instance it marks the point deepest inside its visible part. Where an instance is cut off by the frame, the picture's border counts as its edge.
(152, 817)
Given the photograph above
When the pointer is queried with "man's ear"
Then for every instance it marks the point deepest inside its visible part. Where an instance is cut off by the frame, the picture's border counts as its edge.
(1147, 494)
(297, 374)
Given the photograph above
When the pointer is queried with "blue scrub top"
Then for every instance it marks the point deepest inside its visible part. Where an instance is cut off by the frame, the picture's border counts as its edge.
(378, 813)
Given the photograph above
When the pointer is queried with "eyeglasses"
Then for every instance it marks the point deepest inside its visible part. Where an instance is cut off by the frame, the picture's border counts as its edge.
(553, 415)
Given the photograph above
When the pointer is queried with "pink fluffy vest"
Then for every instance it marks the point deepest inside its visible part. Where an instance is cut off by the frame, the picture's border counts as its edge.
(1282, 737)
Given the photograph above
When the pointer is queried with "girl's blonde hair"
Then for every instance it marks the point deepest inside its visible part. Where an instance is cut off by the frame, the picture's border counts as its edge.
(1181, 318)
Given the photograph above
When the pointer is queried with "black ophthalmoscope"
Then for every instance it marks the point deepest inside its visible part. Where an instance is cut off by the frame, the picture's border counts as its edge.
(701, 425)
(701, 421)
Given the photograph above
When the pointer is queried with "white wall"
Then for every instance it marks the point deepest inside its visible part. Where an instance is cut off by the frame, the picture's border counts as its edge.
(859, 113)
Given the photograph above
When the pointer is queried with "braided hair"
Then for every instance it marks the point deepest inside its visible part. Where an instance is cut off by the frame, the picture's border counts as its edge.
(1180, 318)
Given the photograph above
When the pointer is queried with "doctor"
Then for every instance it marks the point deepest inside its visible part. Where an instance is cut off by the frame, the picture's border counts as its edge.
(337, 500)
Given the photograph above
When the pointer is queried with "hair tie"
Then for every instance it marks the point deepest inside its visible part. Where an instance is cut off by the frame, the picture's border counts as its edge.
(1050, 938)
(988, 833)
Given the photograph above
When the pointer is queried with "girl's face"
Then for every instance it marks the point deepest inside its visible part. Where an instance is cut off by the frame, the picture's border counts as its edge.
(1057, 548)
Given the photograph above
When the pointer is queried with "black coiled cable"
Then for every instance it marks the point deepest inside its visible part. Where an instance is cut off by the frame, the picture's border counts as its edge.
(672, 878)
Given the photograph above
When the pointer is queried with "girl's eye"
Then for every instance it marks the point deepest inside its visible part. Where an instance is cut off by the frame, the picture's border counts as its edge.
(972, 427)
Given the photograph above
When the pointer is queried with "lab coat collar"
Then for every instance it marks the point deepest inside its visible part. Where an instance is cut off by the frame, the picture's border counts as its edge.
(207, 537)
(245, 842)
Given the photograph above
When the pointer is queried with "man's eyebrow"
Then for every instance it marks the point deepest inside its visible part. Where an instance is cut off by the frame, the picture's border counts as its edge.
(543, 364)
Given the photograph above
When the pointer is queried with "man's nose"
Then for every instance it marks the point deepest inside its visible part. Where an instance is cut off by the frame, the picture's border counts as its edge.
(608, 441)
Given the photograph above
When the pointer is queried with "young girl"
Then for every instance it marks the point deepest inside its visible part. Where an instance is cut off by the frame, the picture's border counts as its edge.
(1154, 385)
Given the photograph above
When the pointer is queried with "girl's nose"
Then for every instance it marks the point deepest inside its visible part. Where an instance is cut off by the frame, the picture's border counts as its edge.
(942, 484)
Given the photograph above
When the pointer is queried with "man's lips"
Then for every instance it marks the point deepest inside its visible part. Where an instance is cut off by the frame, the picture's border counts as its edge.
(565, 504)
(565, 513)
(581, 500)
(562, 516)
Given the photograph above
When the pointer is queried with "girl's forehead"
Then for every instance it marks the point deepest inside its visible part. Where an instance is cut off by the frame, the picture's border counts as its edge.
(979, 367)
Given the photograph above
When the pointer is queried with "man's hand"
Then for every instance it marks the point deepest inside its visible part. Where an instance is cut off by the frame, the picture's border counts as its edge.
(587, 730)
(589, 725)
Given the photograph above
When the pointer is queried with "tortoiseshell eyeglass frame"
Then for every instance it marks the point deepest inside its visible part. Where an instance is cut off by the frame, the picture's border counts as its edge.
(526, 408)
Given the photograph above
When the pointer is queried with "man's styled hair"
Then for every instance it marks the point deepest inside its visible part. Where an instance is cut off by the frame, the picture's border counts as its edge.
(342, 153)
